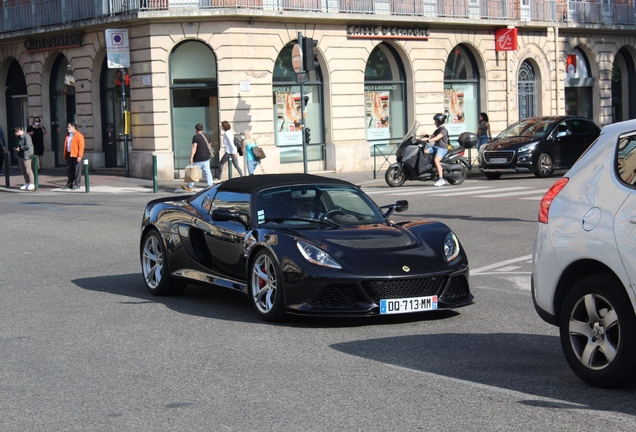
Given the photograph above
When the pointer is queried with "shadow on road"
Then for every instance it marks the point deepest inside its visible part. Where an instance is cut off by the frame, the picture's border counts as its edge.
(226, 304)
(530, 364)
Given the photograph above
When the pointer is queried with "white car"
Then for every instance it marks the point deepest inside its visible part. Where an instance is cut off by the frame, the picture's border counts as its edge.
(584, 260)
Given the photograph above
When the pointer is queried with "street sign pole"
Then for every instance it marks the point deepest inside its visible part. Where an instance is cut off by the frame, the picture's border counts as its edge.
(123, 110)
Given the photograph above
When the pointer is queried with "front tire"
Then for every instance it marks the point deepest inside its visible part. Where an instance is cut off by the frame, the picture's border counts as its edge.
(266, 287)
(462, 178)
(395, 176)
(598, 332)
(154, 267)
(545, 166)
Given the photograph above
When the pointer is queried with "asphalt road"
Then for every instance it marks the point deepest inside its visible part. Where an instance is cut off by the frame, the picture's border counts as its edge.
(84, 347)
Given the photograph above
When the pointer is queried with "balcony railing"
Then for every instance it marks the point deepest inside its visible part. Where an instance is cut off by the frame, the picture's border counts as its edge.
(27, 14)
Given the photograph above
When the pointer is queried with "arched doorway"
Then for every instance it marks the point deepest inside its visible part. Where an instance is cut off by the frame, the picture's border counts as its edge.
(194, 89)
(461, 92)
(385, 97)
(623, 87)
(17, 106)
(526, 91)
(286, 98)
(63, 109)
(578, 85)
(112, 117)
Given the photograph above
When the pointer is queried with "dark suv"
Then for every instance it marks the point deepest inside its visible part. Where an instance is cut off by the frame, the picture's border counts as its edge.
(537, 145)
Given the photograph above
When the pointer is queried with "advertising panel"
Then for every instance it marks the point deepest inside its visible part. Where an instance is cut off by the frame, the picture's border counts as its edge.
(377, 102)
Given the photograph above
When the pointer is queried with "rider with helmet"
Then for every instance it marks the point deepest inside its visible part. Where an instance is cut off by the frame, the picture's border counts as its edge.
(440, 138)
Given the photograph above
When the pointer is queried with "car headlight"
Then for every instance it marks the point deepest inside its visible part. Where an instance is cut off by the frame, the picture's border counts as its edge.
(451, 246)
(316, 256)
(527, 147)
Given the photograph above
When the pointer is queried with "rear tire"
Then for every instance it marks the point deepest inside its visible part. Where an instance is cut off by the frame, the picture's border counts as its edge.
(598, 332)
(395, 176)
(154, 267)
(462, 178)
(492, 176)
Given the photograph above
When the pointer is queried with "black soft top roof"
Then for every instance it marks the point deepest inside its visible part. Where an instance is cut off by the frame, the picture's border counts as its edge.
(248, 184)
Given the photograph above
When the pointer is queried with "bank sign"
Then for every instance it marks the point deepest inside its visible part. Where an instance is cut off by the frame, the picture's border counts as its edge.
(117, 49)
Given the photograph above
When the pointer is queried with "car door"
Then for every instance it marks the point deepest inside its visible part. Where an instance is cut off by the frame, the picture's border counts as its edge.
(625, 218)
(583, 134)
(226, 239)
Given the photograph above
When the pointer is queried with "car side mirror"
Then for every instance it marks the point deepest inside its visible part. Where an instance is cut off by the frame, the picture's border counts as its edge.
(401, 205)
(561, 134)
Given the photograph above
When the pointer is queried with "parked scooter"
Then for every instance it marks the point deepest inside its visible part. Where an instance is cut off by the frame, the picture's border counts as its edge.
(413, 164)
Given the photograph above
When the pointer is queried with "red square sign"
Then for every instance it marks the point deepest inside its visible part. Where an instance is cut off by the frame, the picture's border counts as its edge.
(506, 39)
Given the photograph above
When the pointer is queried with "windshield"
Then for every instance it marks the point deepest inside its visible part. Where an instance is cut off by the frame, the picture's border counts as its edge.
(411, 133)
(311, 206)
(527, 128)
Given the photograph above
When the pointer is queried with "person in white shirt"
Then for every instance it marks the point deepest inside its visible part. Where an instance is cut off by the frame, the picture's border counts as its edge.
(230, 149)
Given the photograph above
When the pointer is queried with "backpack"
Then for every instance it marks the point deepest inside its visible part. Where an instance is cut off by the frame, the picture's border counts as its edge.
(238, 143)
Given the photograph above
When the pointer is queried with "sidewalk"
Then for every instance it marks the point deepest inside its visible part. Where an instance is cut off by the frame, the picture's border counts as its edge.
(115, 182)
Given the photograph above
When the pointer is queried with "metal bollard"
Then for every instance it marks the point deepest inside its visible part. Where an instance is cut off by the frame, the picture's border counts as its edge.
(86, 180)
(36, 172)
(155, 186)
(7, 176)
(230, 162)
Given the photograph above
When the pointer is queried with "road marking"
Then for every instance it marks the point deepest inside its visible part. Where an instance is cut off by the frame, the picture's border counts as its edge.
(482, 270)
(499, 195)
(537, 198)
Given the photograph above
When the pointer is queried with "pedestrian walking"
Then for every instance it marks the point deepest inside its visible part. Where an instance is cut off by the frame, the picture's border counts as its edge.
(248, 150)
(25, 154)
(3, 150)
(73, 153)
(483, 130)
(230, 149)
(200, 156)
(37, 132)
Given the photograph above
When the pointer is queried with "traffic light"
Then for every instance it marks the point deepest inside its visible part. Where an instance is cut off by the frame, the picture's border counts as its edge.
(307, 133)
(310, 54)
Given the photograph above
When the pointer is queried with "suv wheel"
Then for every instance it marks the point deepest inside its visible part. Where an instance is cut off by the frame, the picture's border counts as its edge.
(545, 166)
(598, 332)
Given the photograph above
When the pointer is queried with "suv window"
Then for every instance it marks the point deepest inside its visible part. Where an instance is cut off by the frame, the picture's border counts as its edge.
(626, 159)
(581, 126)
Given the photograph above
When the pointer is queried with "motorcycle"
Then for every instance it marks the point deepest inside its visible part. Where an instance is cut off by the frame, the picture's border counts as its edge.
(413, 164)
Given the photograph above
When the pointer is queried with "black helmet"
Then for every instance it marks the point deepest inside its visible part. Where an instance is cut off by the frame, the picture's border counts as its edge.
(440, 118)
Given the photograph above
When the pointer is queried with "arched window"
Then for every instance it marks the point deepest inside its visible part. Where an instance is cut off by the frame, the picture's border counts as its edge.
(384, 93)
(287, 108)
(194, 88)
(461, 92)
(578, 85)
(623, 87)
(526, 91)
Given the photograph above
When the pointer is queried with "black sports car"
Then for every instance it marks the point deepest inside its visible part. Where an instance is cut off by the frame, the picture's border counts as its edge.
(302, 244)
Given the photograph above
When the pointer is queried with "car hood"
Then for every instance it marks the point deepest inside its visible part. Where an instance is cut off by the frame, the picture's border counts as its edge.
(512, 143)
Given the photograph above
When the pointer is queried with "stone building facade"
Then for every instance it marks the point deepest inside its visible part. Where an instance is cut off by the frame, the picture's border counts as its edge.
(204, 66)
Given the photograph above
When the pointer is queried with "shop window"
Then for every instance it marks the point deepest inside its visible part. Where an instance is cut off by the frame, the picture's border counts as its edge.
(385, 102)
(578, 85)
(461, 92)
(287, 111)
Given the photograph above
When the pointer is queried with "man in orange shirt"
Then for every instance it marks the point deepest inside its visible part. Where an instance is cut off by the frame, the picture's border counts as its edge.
(73, 153)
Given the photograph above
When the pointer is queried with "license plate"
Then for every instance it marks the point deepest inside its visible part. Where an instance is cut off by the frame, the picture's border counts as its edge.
(498, 160)
(406, 305)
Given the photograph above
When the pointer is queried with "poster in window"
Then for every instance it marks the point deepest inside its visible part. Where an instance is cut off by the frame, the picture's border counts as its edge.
(377, 100)
(288, 120)
(458, 102)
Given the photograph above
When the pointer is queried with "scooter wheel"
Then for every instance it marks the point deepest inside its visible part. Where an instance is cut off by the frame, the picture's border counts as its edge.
(458, 181)
(394, 177)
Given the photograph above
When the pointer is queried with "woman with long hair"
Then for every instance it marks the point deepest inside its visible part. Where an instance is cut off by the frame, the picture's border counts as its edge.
(483, 130)
(249, 142)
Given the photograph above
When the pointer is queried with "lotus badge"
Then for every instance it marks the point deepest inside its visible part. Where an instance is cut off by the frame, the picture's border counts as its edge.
(406, 269)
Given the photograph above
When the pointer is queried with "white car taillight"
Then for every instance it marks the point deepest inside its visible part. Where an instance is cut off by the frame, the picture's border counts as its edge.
(546, 202)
